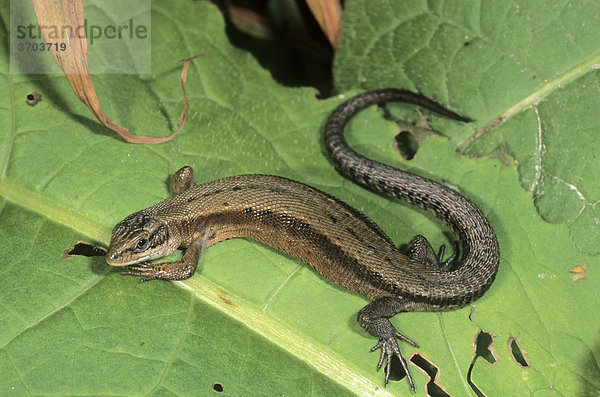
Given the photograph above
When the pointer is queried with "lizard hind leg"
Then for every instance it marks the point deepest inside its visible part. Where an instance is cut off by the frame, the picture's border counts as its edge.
(420, 250)
(374, 318)
(183, 179)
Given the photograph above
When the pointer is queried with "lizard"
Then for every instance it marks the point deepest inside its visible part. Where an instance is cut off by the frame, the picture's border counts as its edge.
(338, 241)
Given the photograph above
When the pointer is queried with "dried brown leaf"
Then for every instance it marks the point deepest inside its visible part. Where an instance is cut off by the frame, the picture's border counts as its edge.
(67, 15)
(328, 14)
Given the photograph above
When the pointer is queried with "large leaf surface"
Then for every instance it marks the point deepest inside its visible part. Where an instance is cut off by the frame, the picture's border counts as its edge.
(252, 319)
(531, 64)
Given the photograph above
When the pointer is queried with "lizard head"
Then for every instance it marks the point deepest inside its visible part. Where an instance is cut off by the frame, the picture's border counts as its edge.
(137, 238)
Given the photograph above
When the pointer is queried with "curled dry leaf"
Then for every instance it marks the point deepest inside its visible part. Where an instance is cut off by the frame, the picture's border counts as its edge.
(328, 14)
(68, 14)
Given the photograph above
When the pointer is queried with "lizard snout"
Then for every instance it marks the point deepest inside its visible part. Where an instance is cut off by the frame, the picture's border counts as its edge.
(114, 258)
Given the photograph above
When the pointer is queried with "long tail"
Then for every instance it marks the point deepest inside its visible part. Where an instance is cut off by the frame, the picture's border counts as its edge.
(478, 244)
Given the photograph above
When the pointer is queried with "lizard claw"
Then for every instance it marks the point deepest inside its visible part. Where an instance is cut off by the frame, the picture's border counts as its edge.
(145, 270)
(389, 349)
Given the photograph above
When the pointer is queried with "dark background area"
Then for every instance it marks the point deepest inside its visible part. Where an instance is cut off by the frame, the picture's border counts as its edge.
(284, 37)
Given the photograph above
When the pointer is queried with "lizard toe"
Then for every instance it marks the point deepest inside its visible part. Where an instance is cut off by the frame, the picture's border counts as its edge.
(389, 349)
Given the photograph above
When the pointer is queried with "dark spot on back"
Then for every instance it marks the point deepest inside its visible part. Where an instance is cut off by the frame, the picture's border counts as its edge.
(356, 213)
(333, 218)
(192, 198)
(208, 194)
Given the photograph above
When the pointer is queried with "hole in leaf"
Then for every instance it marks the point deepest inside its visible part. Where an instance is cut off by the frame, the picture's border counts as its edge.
(482, 347)
(396, 371)
(218, 387)
(407, 144)
(33, 98)
(517, 352)
(475, 389)
(434, 389)
(82, 248)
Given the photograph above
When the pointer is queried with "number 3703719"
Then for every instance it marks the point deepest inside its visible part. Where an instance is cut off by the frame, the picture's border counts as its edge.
(41, 46)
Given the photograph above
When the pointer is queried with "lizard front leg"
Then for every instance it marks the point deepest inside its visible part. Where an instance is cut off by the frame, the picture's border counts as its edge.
(180, 270)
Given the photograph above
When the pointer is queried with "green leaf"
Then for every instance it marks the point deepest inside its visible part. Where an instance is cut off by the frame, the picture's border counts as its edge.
(530, 65)
(252, 319)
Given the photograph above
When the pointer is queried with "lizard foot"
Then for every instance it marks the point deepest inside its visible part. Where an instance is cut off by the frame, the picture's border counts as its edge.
(389, 349)
(160, 271)
(420, 250)
(145, 270)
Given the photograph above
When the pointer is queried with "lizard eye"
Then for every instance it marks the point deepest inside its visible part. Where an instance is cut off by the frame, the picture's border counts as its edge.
(142, 244)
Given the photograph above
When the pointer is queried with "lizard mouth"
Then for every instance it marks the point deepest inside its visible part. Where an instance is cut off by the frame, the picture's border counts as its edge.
(117, 258)
(125, 258)
(114, 258)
